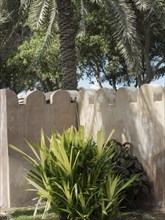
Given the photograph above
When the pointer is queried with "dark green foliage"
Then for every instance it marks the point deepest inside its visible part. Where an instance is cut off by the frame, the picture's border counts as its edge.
(119, 38)
(79, 178)
(126, 164)
(99, 54)
(22, 70)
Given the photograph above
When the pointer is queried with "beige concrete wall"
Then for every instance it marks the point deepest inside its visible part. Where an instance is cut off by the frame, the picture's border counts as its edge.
(137, 117)
(24, 122)
(4, 162)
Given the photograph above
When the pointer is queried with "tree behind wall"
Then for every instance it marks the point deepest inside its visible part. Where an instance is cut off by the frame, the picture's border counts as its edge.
(99, 55)
(122, 18)
(20, 72)
(48, 10)
(57, 17)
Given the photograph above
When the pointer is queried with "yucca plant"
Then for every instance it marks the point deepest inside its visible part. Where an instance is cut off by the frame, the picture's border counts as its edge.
(75, 175)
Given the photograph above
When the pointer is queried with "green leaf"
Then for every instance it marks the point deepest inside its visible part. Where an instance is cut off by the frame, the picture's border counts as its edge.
(100, 142)
(26, 155)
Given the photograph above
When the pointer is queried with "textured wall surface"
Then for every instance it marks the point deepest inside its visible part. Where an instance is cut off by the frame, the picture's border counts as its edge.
(4, 159)
(21, 123)
(137, 117)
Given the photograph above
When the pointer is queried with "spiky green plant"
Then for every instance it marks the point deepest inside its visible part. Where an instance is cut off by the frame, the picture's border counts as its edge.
(74, 175)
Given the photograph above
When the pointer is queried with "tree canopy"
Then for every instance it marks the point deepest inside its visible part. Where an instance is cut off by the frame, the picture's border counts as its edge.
(114, 41)
(23, 70)
(100, 56)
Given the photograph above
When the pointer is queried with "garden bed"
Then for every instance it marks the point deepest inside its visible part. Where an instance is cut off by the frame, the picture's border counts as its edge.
(25, 213)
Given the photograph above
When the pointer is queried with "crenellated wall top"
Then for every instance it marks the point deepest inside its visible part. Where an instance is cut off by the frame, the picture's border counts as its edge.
(38, 97)
(147, 92)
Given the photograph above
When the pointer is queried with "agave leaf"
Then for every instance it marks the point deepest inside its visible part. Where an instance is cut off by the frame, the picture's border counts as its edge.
(75, 188)
(43, 193)
(109, 205)
(128, 183)
(63, 157)
(58, 185)
(81, 134)
(43, 149)
(33, 150)
(43, 145)
(65, 210)
(81, 214)
(109, 137)
(71, 156)
(91, 197)
(103, 209)
(70, 134)
(76, 140)
(58, 149)
(61, 197)
(66, 190)
(45, 181)
(100, 143)
(64, 162)
(82, 200)
(111, 186)
(53, 143)
(33, 175)
(32, 190)
(31, 160)
(75, 160)
(65, 195)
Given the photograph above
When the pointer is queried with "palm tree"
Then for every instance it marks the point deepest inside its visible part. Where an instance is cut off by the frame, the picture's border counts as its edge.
(67, 43)
(52, 12)
(62, 12)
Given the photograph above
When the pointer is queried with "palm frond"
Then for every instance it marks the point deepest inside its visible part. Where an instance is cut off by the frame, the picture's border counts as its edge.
(152, 8)
(157, 7)
(24, 8)
(22, 16)
(38, 12)
(82, 10)
(154, 16)
(125, 32)
(51, 25)
(47, 10)
(141, 5)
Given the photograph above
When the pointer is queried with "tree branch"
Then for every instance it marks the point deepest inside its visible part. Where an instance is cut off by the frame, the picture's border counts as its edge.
(158, 64)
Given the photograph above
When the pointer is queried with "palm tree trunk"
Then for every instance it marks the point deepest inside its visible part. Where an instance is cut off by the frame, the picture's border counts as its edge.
(67, 44)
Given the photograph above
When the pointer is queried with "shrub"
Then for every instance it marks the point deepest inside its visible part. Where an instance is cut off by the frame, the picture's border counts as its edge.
(127, 165)
(77, 177)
